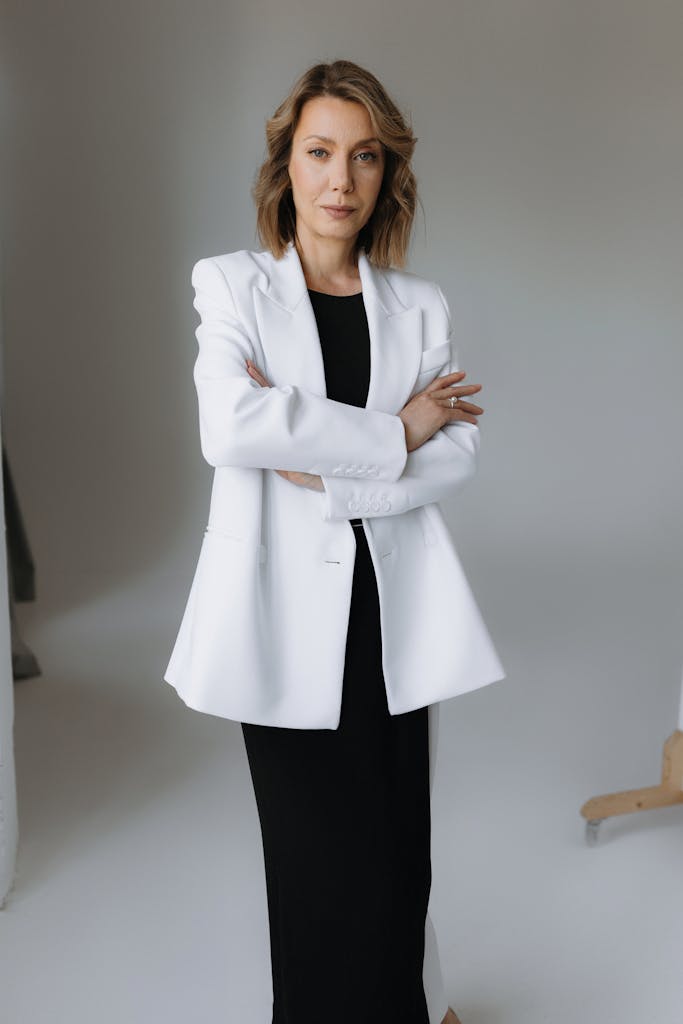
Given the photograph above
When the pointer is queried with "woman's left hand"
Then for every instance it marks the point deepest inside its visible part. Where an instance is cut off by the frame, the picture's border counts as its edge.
(310, 480)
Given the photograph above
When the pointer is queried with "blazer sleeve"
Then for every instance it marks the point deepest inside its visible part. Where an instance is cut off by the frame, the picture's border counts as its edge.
(289, 427)
(434, 471)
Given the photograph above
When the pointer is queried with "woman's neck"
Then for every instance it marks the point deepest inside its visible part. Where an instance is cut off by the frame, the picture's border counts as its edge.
(329, 267)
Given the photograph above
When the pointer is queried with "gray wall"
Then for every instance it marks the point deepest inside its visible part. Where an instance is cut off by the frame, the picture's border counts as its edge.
(549, 158)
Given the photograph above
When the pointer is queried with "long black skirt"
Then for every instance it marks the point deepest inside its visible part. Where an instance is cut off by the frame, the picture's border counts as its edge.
(345, 824)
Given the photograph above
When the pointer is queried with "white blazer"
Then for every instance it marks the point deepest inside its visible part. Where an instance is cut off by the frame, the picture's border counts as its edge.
(262, 638)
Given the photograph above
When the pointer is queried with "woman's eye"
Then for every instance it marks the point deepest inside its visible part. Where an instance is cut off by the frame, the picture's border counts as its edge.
(367, 153)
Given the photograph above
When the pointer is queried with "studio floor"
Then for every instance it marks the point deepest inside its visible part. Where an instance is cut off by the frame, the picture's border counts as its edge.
(139, 894)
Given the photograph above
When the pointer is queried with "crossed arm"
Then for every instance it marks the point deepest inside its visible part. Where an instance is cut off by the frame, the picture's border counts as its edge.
(289, 427)
(244, 424)
(434, 471)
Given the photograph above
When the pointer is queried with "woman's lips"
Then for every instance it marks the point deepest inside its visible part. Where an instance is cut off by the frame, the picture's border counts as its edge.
(338, 212)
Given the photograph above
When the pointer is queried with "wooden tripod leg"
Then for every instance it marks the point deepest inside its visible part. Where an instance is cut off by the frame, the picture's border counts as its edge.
(672, 762)
(629, 801)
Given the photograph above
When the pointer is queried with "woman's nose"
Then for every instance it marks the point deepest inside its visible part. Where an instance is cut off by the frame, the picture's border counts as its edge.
(340, 175)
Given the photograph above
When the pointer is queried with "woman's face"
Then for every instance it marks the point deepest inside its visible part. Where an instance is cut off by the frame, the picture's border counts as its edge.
(335, 163)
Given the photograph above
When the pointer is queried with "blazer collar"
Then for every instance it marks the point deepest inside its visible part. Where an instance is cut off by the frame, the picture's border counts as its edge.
(291, 344)
(287, 284)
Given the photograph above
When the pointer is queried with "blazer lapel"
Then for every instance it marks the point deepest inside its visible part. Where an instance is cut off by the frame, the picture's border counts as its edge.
(291, 344)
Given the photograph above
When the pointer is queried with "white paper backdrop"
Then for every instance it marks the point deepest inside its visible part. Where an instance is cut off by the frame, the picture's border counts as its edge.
(8, 800)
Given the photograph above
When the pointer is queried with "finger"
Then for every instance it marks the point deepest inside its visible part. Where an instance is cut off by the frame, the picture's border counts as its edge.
(457, 413)
(461, 389)
(468, 407)
(439, 381)
(257, 376)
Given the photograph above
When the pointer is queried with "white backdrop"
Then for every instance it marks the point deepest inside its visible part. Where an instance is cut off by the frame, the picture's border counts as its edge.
(8, 796)
(549, 161)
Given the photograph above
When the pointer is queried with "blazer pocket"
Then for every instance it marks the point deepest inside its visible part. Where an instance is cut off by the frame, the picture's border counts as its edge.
(224, 534)
(435, 357)
(235, 539)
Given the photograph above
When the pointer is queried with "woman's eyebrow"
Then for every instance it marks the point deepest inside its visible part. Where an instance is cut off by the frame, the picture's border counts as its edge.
(324, 138)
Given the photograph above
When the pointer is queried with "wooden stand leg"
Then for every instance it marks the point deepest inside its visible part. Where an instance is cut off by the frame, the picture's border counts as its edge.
(629, 801)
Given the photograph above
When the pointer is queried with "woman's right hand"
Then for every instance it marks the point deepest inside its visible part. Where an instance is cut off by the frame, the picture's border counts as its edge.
(428, 410)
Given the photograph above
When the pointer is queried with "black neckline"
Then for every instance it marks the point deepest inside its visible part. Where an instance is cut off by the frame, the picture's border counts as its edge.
(329, 295)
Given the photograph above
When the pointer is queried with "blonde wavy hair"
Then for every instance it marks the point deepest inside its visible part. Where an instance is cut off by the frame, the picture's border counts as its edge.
(386, 235)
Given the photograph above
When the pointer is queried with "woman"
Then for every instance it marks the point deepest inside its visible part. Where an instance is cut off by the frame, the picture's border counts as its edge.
(331, 637)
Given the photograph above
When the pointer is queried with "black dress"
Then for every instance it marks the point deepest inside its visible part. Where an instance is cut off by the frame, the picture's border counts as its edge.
(345, 813)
